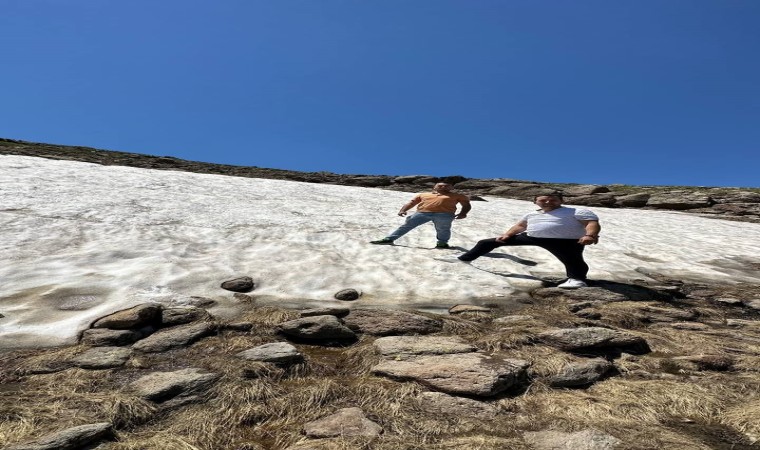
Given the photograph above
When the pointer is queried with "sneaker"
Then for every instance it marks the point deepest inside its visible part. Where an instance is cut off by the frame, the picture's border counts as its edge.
(451, 259)
(383, 241)
(572, 283)
(442, 245)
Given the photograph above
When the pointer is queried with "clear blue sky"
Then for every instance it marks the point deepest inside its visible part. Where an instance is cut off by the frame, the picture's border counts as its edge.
(590, 91)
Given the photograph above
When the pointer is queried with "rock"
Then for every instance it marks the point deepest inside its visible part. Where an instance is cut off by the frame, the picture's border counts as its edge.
(516, 318)
(414, 179)
(139, 316)
(525, 191)
(693, 326)
(199, 302)
(588, 439)
(581, 373)
(182, 315)
(75, 438)
(237, 326)
(347, 422)
(105, 337)
(633, 200)
(275, 352)
(585, 189)
(580, 295)
(440, 403)
(728, 301)
(753, 304)
(317, 328)
(588, 314)
(594, 338)
(347, 294)
(606, 200)
(102, 358)
(459, 309)
(179, 336)
(467, 374)
(738, 323)
(679, 201)
(162, 386)
(243, 298)
(405, 347)
(379, 322)
(658, 314)
(369, 181)
(241, 284)
(337, 311)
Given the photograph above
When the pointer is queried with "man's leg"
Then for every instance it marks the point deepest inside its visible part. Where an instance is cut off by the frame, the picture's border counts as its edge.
(487, 245)
(442, 222)
(570, 253)
(411, 223)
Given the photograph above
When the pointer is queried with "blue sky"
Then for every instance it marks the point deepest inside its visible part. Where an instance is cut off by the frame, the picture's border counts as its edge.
(637, 92)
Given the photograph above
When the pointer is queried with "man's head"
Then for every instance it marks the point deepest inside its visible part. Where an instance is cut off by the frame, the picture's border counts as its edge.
(548, 201)
(442, 187)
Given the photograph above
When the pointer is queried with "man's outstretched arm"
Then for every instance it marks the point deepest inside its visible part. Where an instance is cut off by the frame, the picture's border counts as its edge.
(408, 206)
(592, 232)
(517, 228)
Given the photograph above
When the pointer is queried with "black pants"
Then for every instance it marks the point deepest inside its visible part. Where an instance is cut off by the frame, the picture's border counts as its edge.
(568, 251)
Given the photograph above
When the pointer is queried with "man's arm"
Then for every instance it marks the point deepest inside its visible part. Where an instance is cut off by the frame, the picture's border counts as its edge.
(517, 228)
(466, 207)
(592, 232)
(409, 206)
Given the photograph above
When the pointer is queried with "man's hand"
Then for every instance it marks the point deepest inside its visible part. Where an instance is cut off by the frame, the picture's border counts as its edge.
(588, 240)
(503, 237)
(461, 216)
(402, 213)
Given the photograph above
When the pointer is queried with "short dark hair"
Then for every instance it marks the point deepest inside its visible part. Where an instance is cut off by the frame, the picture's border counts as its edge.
(557, 194)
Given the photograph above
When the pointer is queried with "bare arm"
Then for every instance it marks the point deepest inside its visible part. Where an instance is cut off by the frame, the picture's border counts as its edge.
(592, 232)
(466, 207)
(408, 206)
(517, 228)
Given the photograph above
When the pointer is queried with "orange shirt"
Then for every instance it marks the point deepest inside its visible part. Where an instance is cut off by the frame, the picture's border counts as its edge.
(435, 202)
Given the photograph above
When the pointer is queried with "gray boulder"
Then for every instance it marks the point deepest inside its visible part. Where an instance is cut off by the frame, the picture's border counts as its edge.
(459, 309)
(594, 338)
(585, 189)
(182, 315)
(347, 422)
(581, 373)
(440, 403)
(389, 322)
(679, 201)
(468, 374)
(588, 439)
(162, 386)
(275, 352)
(317, 328)
(102, 358)
(179, 336)
(136, 317)
(347, 295)
(105, 337)
(241, 284)
(405, 347)
(75, 438)
(633, 200)
(337, 311)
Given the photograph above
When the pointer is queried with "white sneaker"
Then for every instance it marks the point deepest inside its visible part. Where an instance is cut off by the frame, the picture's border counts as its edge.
(451, 259)
(572, 283)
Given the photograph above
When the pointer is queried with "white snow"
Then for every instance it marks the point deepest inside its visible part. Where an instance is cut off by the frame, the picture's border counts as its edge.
(80, 240)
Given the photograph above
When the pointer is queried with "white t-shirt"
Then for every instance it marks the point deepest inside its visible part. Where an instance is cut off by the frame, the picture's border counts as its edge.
(561, 223)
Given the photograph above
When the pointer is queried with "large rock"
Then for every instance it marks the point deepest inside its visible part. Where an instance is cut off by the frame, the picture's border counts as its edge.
(605, 291)
(585, 189)
(139, 316)
(605, 200)
(633, 200)
(387, 322)
(105, 337)
(162, 386)
(275, 352)
(594, 338)
(679, 201)
(581, 373)
(182, 315)
(588, 439)
(337, 311)
(102, 358)
(658, 314)
(75, 438)
(317, 328)
(241, 284)
(460, 309)
(175, 337)
(347, 294)
(467, 374)
(440, 403)
(405, 347)
(348, 422)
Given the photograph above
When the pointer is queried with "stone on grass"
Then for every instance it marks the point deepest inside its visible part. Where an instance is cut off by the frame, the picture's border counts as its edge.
(516, 318)
(693, 326)
(594, 338)
(581, 373)
(137, 317)
(75, 438)
(347, 294)
(337, 311)
(162, 386)
(180, 336)
(468, 374)
(275, 352)
(588, 439)
(753, 304)
(459, 309)
(658, 314)
(102, 358)
(728, 301)
(237, 326)
(440, 403)
(347, 422)
(241, 284)
(182, 315)
(105, 337)
(317, 328)
(383, 322)
(405, 347)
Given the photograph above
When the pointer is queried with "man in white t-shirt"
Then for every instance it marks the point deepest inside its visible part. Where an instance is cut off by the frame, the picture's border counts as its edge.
(563, 231)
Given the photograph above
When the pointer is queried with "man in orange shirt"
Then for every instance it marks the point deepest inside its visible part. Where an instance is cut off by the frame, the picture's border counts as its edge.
(439, 207)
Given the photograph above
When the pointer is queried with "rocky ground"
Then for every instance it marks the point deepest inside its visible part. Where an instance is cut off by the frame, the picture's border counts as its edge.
(648, 364)
(741, 204)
